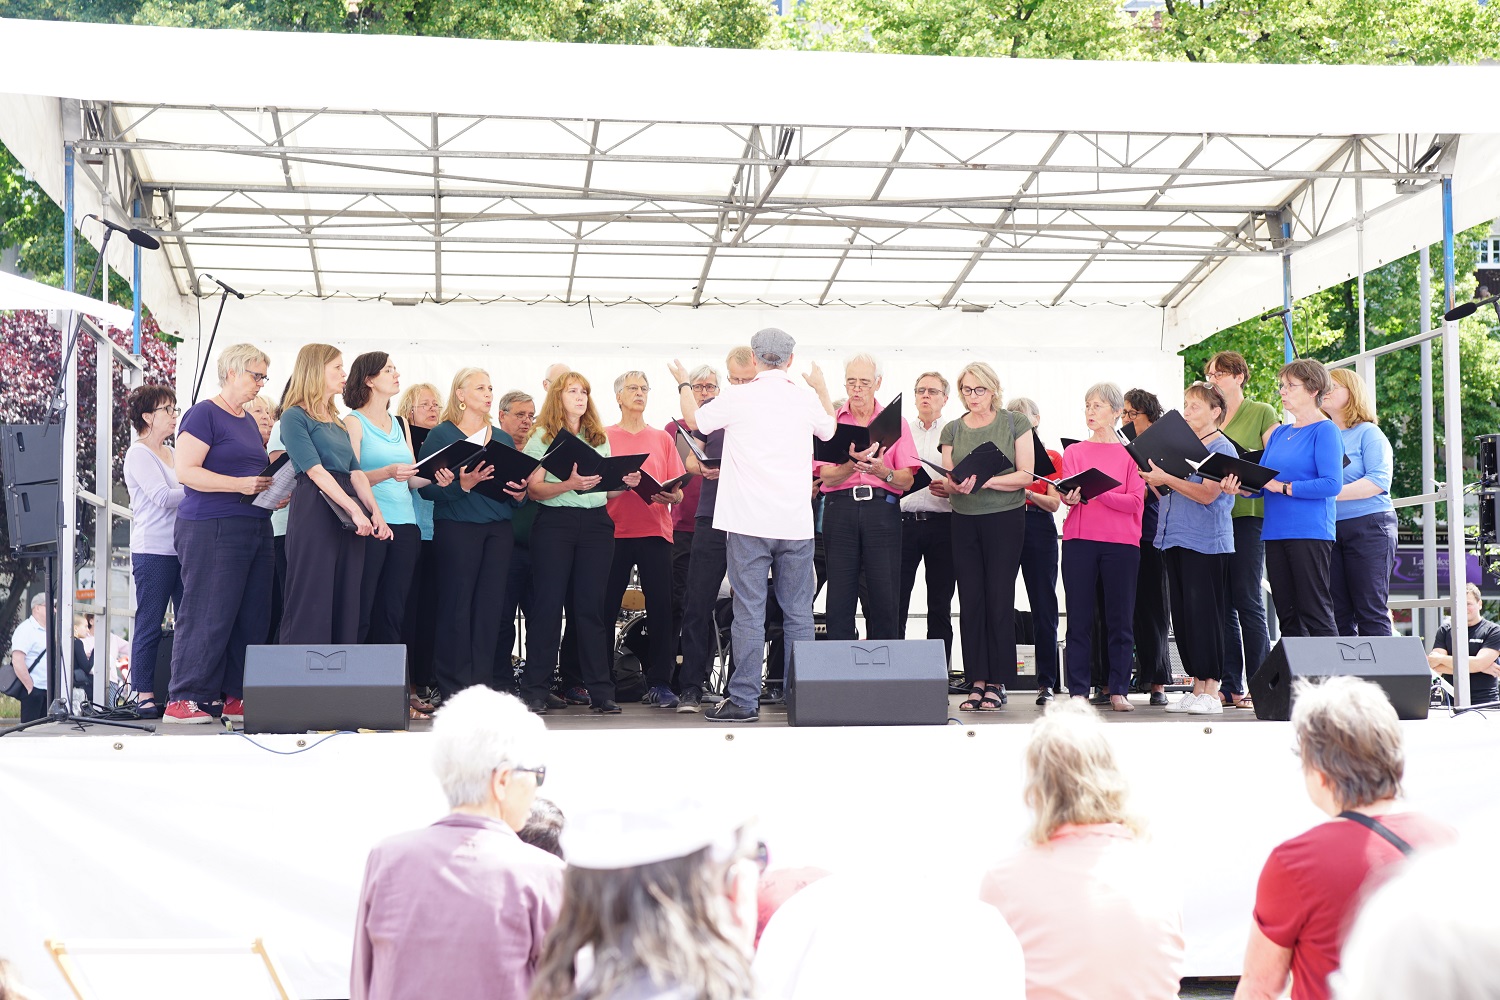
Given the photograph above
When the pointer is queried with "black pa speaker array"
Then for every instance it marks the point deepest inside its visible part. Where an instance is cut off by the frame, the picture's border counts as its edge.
(292, 689)
(30, 464)
(1398, 663)
(896, 682)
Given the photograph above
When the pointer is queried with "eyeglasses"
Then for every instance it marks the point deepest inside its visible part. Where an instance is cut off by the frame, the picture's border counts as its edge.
(635, 388)
(931, 392)
(1095, 406)
(523, 415)
(859, 383)
(167, 409)
(1130, 414)
(704, 387)
(762, 856)
(540, 772)
(973, 390)
(740, 381)
(1289, 386)
(260, 377)
(1214, 376)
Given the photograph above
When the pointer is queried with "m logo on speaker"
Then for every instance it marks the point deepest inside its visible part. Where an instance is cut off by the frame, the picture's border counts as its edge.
(871, 656)
(1350, 653)
(332, 662)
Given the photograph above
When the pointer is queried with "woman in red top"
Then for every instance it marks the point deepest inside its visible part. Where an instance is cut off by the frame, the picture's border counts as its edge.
(643, 533)
(1352, 761)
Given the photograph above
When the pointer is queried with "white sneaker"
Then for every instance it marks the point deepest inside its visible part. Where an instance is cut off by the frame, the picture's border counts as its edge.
(1207, 704)
(1183, 704)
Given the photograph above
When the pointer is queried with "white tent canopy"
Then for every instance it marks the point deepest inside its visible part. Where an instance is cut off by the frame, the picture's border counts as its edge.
(17, 292)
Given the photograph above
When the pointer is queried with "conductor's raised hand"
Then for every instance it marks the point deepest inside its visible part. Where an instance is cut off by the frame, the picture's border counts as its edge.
(967, 486)
(814, 378)
(443, 477)
(470, 478)
(679, 371)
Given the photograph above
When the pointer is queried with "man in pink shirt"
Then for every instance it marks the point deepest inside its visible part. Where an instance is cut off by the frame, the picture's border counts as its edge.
(862, 515)
(762, 503)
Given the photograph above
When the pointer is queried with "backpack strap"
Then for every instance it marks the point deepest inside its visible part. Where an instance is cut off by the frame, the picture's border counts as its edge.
(1378, 828)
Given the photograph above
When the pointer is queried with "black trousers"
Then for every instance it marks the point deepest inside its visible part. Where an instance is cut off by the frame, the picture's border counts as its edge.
(1149, 621)
(419, 629)
(927, 539)
(473, 560)
(1364, 553)
(682, 558)
(1084, 564)
(1198, 587)
(390, 570)
(571, 552)
(325, 565)
(278, 590)
(1299, 571)
(33, 702)
(653, 558)
(863, 536)
(1039, 571)
(986, 557)
(705, 573)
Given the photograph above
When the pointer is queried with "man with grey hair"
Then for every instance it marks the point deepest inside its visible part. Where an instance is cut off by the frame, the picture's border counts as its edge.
(927, 521)
(762, 503)
(463, 902)
(862, 514)
(28, 659)
(556, 370)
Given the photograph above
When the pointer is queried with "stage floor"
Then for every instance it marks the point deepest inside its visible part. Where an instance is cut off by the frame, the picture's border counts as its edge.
(267, 835)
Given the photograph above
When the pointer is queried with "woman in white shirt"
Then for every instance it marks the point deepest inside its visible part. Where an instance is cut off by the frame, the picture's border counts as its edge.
(151, 478)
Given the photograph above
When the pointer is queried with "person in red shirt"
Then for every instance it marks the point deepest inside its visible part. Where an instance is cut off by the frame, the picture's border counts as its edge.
(1309, 891)
(643, 532)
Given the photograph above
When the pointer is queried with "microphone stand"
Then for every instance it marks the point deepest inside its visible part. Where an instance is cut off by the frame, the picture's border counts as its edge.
(223, 298)
(60, 711)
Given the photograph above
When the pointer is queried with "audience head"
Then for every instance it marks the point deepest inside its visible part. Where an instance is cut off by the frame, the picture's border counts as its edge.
(778, 886)
(862, 377)
(1203, 406)
(1349, 741)
(1431, 930)
(631, 390)
(661, 893)
(772, 348)
(980, 388)
(1028, 408)
(740, 365)
(544, 826)
(471, 390)
(242, 371)
(1227, 370)
(1303, 385)
(373, 375)
(10, 983)
(517, 414)
(1072, 776)
(1102, 406)
(152, 407)
(39, 606)
(486, 748)
(421, 405)
(705, 383)
(1142, 408)
(570, 399)
(317, 376)
(1349, 400)
(554, 371)
(931, 390)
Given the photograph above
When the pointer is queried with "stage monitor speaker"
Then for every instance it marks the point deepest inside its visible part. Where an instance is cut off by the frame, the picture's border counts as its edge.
(32, 512)
(896, 682)
(1398, 663)
(30, 453)
(291, 689)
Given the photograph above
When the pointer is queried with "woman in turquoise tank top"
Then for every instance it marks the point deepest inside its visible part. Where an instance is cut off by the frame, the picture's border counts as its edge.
(382, 448)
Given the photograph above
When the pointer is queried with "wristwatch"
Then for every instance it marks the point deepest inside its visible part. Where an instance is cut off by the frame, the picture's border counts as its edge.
(1286, 489)
(684, 385)
(891, 477)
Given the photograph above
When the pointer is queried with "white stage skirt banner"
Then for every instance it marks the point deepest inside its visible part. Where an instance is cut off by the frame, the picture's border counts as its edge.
(215, 837)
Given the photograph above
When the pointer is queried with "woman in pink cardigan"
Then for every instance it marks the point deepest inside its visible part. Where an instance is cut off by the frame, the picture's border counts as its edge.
(1101, 539)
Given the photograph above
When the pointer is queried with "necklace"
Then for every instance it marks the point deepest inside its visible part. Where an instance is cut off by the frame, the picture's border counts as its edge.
(225, 403)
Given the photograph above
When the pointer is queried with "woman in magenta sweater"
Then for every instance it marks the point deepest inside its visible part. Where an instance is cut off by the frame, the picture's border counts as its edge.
(1101, 538)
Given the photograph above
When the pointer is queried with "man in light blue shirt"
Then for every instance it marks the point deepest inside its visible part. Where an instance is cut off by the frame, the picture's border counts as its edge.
(28, 658)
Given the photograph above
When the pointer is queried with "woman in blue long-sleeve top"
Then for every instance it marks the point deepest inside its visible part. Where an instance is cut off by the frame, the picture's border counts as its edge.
(1308, 455)
(1365, 550)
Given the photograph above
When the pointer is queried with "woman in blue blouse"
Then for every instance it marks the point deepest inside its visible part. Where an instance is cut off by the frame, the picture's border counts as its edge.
(1308, 455)
(325, 562)
(1195, 535)
(1364, 549)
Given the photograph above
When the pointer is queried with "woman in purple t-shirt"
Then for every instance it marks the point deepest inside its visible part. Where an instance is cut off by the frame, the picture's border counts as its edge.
(224, 544)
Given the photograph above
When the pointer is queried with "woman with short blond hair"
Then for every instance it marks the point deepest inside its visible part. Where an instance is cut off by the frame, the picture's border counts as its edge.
(1086, 874)
(1364, 544)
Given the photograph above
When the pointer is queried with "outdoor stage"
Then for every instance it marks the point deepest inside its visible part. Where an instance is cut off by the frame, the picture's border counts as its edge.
(250, 837)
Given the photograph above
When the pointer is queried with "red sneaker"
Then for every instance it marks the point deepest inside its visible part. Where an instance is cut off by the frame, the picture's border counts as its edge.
(186, 712)
(234, 709)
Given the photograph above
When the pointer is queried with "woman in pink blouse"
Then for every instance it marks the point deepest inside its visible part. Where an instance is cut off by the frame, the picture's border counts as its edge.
(1101, 539)
(1084, 899)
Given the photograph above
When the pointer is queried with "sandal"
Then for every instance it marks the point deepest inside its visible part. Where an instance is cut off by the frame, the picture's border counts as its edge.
(975, 700)
(146, 708)
(994, 699)
(421, 708)
(417, 715)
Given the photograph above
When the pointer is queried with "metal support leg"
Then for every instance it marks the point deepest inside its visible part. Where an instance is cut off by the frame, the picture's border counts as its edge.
(1428, 618)
(1453, 454)
(1290, 345)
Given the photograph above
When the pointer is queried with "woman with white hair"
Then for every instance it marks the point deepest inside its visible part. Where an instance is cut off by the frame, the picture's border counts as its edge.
(223, 545)
(1093, 917)
(460, 908)
(1102, 540)
(1352, 763)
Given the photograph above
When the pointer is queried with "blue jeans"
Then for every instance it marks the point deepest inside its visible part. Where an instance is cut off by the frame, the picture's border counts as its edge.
(1247, 636)
(1364, 551)
(751, 561)
(158, 579)
(227, 567)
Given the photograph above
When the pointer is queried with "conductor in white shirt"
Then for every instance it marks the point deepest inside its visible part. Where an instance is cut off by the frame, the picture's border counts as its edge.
(762, 504)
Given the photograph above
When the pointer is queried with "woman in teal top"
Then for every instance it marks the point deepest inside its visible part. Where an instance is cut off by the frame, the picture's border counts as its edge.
(324, 561)
(471, 541)
(382, 449)
(572, 546)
